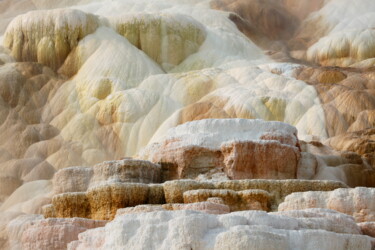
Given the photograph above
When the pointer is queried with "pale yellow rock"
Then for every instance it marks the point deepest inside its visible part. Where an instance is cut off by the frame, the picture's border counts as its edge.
(166, 38)
(60, 31)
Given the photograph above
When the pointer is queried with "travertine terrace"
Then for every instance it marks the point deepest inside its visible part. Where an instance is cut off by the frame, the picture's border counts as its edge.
(187, 124)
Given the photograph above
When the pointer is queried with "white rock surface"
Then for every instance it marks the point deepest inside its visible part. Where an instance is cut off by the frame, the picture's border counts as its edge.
(212, 133)
(358, 202)
(345, 32)
(240, 230)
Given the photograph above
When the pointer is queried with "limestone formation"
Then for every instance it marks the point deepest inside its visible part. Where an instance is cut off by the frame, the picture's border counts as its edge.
(324, 219)
(168, 39)
(357, 202)
(72, 179)
(240, 230)
(278, 189)
(127, 170)
(55, 233)
(48, 211)
(368, 228)
(106, 199)
(361, 142)
(242, 200)
(70, 205)
(29, 198)
(60, 31)
(194, 148)
(213, 91)
(267, 18)
(16, 227)
(251, 160)
(211, 206)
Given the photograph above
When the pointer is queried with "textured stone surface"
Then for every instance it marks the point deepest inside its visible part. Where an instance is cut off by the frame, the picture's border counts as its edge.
(69, 205)
(324, 219)
(263, 18)
(101, 98)
(242, 200)
(60, 31)
(240, 230)
(72, 179)
(55, 233)
(368, 228)
(361, 142)
(278, 189)
(358, 202)
(106, 199)
(5, 219)
(211, 206)
(127, 170)
(195, 148)
(168, 39)
(16, 227)
(260, 160)
(48, 211)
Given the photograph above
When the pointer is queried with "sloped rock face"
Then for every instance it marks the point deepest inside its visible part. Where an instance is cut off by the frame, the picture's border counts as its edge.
(195, 148)
(357, 202)
(55, 233)
(256, 230)
(361, 142)
(263, 18)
